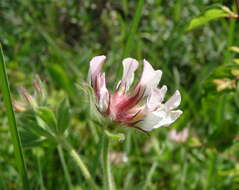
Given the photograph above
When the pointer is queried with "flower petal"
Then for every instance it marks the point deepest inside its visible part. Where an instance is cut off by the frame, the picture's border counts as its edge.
(150, 77)
(96, 64)
(130, 65)
(179, 136)
(103, 94)
(158, 119)
(156, 97)
(173, 101)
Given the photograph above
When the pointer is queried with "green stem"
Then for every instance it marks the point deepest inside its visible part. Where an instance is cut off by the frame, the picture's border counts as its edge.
(230, 40)
(12, 123)
(40, 173)
(79, 163)
(150, 175)
(212, 172)
(108, 182)
(65, 169)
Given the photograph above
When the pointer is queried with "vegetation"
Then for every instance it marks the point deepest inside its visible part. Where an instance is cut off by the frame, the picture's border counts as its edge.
(47, 46)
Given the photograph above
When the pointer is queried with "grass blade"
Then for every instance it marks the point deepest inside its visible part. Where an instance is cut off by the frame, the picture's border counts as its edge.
(12, 122)
(133, 29)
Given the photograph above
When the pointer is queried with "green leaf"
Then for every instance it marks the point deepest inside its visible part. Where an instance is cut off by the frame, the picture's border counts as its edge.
(46, 119)
(236, 61)
(29, 139)
(63, 116)
(29, 123)
(207, 16)
(235, 49)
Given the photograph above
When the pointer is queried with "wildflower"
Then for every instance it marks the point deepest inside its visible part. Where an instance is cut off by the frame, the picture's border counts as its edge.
(30, 99)
(180, 136)
(224, 83)
(118, 157)
(19, 106)
(141, 107)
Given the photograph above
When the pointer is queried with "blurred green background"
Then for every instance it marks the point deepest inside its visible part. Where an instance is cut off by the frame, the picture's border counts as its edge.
(55, 39)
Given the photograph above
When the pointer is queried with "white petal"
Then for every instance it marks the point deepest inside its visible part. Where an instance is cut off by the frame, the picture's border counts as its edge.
(103, 94)
(158, 119)
(156, 97)
(163, 91)
(173, 101)
(169, 119)
(151, 120)
(130, 65)
(96, 64)
(150, 77)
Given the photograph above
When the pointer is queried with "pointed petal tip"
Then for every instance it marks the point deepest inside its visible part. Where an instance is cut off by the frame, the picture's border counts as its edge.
(130, 61)
(180, 112)
(98, 58)
(96, 64)
(147, 64)
(159, 72)
(129, 66)
(178, 94)
(164, 87)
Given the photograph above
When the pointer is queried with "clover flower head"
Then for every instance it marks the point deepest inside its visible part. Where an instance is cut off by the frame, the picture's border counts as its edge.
(180, 136)
(141, 107)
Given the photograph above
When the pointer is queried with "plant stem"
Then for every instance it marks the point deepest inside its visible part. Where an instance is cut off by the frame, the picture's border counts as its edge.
(79, 163)
(108, 182)
(12, 123)
(65, 169)
(150, 175)
(40, 173)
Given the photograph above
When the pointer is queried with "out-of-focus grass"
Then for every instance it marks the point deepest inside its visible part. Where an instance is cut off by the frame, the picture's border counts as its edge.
(56, 40)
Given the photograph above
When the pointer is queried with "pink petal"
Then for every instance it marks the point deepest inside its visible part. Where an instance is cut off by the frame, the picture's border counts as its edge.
(156, 97)
(173, 101)
(150, 77)
(130, 65)
(102, 94)
(96, 64)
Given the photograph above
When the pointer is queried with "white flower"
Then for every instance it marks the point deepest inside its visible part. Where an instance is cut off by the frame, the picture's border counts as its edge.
(142, 107)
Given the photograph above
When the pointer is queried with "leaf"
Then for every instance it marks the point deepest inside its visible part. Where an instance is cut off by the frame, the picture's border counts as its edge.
(63, 116)
(29, 123)
(29, 139)
(46, 119)
(236, 61)
(207, 16)
(235, 49)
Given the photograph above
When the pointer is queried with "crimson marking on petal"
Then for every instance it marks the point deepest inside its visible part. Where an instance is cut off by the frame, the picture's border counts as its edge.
(133, 123)
(108, 109)
(140, 98)
(131, 101)
(135, 115)
(97, 108)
